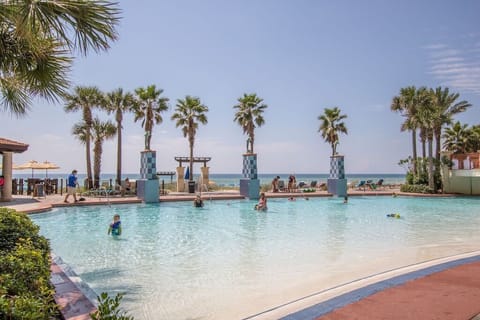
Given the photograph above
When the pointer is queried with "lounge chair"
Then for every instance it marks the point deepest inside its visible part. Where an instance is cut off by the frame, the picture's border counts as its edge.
(371, 185)
(380, 184)
(361, 185)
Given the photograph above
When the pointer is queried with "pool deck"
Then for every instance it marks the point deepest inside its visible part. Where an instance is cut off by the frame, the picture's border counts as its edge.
(447, 288)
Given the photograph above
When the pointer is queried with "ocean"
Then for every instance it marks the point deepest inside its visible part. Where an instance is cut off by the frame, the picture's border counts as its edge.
(233, 180)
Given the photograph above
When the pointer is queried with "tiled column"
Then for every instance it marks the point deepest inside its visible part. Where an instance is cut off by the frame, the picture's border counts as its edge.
(148, 187)
(336, 183)
(249, 184)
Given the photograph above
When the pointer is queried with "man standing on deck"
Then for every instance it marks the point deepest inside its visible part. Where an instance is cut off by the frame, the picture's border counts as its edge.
(71, 186)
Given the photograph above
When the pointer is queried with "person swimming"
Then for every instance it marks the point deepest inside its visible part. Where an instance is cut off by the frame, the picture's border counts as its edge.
(116, 226)
(393, 215)
(198, 202)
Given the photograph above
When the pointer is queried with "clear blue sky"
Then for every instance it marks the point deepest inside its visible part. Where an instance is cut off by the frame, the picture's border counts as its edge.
(299, 56)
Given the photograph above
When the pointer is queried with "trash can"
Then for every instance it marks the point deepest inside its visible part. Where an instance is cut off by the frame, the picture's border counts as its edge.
(38, 192)
(191, 186)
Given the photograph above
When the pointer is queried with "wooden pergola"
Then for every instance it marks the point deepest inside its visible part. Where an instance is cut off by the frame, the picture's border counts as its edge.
(167, 173)
(203, 160)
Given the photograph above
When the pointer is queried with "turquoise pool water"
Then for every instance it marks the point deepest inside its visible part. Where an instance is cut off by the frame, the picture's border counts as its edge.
(227, 261)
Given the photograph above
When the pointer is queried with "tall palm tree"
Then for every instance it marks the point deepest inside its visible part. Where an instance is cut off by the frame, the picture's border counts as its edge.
(118, 102)
(406, 104)
(38, 41)
(189, 112)
(79, 131)
(148, 108)
(331, 125)
(456, 137)
(427, 116)
(101, 131)
(447, 107)
(249, 115)
(85, 99)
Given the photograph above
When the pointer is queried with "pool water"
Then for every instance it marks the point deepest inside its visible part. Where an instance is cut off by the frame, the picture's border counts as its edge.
(227, 261)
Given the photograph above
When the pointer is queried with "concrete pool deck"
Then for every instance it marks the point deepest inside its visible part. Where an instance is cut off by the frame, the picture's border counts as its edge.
(447, 288)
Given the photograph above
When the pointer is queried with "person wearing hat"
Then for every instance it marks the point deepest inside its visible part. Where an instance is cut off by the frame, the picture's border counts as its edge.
(71, 186)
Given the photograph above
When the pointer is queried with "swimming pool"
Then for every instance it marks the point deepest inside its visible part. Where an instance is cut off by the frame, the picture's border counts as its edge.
(227, 261)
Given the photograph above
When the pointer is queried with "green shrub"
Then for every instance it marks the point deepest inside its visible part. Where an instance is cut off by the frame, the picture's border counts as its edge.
(109, 308)
(415, 188)
(25, 289)
(15, 226)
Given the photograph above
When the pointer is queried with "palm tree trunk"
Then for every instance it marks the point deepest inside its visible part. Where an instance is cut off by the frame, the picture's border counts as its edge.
(97, 156)
(438, 148)
(414, 153)
(119, 153)
(89, 161)
(438, 143)
(191, 141)
(431, 182)
(252, 138)
(424, 148)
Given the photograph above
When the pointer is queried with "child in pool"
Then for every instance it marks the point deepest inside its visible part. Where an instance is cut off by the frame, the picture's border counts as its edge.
(115, 227)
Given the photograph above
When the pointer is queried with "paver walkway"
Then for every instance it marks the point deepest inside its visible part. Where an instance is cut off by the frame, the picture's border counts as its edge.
(450, 294)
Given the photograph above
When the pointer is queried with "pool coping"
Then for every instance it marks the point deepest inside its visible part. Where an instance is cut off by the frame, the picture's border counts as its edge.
(324, 301)
(75, 298)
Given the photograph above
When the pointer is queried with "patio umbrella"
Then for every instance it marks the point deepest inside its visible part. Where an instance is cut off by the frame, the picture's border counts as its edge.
(32, 164)
(48, 165)
(187, 173)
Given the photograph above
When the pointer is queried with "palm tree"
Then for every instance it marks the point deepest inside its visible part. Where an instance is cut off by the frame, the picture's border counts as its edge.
(148, 107)
(249, 116)
(79, 131)
(85, 99)
(118, 102)
(38, 41)
(446, 108)
(101, 131)
(473, 144)
(456, 138)
(427, 116)
(189, 112)
(406, 104)
(331, 125)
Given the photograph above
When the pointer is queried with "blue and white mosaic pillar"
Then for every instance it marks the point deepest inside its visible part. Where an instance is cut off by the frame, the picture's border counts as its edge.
(148, 187)
(249, 184)
(336, 183)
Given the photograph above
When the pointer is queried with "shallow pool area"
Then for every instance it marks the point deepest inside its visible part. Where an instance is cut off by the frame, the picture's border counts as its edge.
(227, 261)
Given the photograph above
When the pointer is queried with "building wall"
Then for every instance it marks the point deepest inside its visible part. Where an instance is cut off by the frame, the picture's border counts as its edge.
(461, 181)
